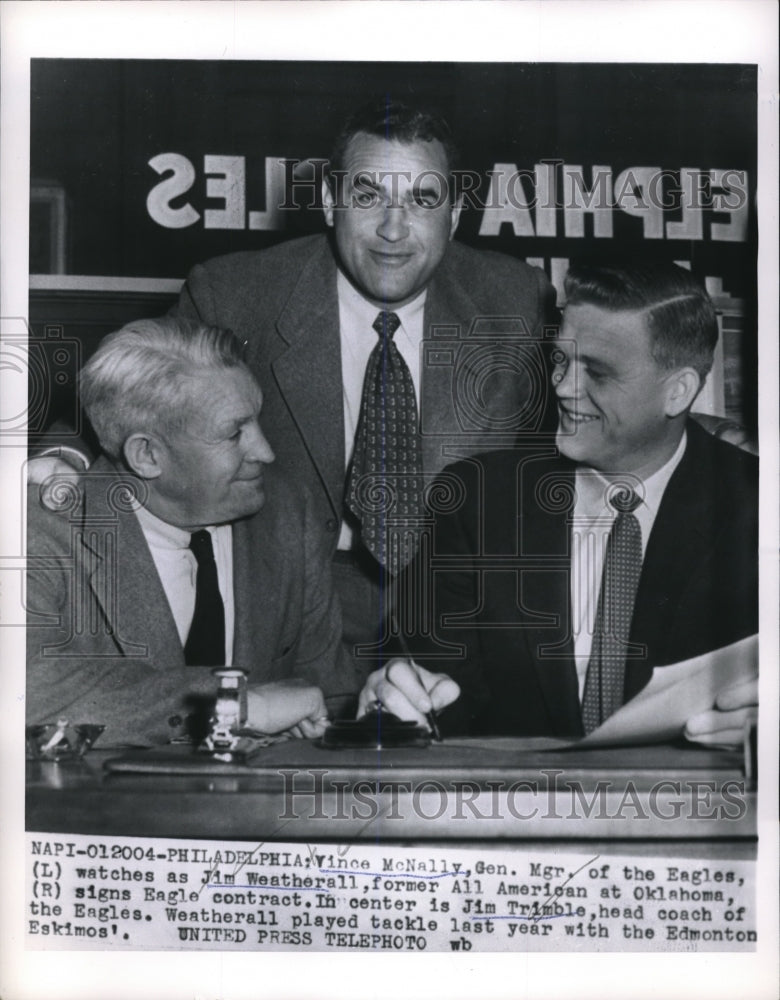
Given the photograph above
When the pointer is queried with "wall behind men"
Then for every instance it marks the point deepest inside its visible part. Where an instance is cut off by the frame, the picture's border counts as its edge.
(140, 169)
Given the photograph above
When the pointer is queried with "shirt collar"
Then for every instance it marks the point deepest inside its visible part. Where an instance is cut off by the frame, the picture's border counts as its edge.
(160, 533)
(592, 486)
(364, 313)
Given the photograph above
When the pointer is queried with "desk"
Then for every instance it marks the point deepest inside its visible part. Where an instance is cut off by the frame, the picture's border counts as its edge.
(467, 789)
(490, 845)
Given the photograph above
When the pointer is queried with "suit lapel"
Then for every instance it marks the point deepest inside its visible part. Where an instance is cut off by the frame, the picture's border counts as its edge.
(123, 578)
(545, 537)
(681, 537)
(308, 373)
(446, 305)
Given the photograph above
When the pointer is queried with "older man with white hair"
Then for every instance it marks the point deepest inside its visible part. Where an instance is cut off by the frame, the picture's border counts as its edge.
(160, 563)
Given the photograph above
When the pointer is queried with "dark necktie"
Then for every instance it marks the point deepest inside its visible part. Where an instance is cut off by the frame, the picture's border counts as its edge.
(205, 644)
(604, 681)
(385, 481)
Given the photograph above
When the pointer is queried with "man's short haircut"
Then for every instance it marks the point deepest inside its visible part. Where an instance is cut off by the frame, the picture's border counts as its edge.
(679, 313)
(394, 121)
(141, 377)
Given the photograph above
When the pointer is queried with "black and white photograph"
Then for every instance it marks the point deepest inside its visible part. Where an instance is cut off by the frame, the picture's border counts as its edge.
(389, 443)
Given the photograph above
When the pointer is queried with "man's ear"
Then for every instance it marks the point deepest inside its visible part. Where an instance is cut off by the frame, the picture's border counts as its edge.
(682, 388)
(143, 454)
(457, 208)
(328, 201)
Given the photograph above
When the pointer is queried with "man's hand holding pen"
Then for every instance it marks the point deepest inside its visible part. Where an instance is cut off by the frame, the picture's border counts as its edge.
(408, 691)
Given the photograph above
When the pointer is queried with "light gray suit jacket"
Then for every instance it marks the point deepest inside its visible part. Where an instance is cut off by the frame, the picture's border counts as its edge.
(102, 642)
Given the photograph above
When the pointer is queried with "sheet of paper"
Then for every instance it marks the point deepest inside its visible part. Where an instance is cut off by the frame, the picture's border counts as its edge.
(675, 694)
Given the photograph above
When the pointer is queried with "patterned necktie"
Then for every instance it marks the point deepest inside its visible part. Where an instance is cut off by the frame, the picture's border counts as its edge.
(385, 481)
(605, 678)
(205, 646)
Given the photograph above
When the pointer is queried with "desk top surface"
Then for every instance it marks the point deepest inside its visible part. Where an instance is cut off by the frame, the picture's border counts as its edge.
(468, 788)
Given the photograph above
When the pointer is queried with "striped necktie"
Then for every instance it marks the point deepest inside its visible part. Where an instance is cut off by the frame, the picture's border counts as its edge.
(604, 681)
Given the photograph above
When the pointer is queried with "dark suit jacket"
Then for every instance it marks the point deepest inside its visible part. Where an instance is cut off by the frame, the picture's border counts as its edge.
(500, 579)
(102, 642)
(283, 302)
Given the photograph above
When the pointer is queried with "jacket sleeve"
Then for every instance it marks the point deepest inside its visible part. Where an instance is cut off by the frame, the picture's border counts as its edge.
(75, 671)
(321, 657)
(430, 602)
(196, 299)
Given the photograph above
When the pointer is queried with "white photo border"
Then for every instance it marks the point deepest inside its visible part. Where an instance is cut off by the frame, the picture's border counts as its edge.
(674, 31)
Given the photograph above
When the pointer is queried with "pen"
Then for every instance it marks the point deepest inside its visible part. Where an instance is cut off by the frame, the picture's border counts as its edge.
(430, 717)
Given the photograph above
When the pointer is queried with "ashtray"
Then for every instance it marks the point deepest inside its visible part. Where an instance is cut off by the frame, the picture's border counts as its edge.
(58, 740)
(376, 730)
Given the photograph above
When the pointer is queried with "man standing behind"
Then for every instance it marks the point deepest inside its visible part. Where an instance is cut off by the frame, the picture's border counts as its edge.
(566, 578)
(160, 564)
(335, 330)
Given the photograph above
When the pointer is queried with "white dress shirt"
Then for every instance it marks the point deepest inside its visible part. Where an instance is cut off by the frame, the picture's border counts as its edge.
(592, 523)
(358, 339)
(178, 570)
